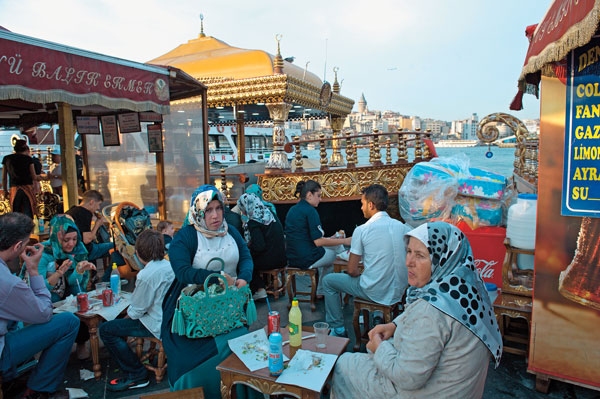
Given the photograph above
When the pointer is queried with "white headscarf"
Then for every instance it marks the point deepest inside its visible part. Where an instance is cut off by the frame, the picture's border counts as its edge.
(200, 200)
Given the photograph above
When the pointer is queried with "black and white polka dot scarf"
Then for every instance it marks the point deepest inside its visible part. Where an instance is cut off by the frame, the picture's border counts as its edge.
(456, 287)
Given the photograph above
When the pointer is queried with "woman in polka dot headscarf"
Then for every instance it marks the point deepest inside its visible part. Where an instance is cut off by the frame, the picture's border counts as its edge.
(441, 345)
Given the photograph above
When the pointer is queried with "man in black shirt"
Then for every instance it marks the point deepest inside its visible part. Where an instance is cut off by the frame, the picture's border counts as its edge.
(84, 214)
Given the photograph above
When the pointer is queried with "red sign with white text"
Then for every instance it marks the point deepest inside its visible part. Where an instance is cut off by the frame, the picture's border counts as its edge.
(54, 73)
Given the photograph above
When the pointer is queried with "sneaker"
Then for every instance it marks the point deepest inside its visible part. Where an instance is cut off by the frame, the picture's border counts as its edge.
(123, 384)
(338, 332)
(260, 294)
(82, 351)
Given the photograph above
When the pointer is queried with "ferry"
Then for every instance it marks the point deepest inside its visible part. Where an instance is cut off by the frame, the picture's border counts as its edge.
(456, 143)
(506, 142)
(259, 143)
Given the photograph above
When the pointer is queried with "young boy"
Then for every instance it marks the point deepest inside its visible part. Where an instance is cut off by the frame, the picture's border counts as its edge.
(144, 313)
(167, 230)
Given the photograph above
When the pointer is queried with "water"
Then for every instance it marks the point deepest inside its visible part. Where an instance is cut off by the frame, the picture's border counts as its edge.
(501, 162)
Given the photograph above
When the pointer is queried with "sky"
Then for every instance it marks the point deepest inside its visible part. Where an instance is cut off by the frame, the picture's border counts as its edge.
(435, 59)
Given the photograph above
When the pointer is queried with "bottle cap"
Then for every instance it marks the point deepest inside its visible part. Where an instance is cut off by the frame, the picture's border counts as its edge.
(294, 302)
(114, 266)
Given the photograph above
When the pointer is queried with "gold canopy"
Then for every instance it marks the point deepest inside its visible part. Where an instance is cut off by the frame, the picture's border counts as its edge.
(236, 76)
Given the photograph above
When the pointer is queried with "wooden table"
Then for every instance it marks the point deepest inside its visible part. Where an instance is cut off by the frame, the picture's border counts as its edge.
(233, 371)
(92, 320)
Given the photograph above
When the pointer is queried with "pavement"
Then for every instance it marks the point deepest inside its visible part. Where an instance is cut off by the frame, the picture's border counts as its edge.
(509, 380)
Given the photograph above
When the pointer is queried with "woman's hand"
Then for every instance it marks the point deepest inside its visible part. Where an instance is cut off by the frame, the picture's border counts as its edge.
(378, 334)
(240, 283)
(374, 341)
(62, 268)
(230, 280)
(83, 266)
(386, 331)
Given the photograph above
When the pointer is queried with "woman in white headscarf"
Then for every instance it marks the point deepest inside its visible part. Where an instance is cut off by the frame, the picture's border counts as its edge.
(441, 345)
(192, 362)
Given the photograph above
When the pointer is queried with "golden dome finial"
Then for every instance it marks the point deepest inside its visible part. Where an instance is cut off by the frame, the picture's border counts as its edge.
(278, 62)
(202, 26)
(336, 85)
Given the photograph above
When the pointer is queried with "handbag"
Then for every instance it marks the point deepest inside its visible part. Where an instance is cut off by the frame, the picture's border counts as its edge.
(209, 310)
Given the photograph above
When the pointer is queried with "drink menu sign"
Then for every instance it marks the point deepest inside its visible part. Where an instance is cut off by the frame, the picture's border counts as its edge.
(581, 176)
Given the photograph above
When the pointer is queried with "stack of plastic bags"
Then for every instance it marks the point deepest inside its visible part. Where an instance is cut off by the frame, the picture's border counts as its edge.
(449, 189)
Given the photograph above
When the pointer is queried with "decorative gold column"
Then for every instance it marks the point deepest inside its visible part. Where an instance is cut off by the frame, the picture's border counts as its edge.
(278, 160)
(336, 126)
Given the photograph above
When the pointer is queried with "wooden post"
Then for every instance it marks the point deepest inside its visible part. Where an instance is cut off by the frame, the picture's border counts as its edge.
(67, 150)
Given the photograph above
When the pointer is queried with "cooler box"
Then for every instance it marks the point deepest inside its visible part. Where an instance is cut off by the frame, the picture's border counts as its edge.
(488, 250)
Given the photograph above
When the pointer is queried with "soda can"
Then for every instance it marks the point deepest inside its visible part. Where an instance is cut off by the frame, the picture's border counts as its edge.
(83, 303)
(107, 297)
(273, 322)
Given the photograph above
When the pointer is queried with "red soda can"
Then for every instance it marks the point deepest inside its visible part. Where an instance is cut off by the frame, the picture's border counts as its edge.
(107, 297)
(83, 303)
(273, 322)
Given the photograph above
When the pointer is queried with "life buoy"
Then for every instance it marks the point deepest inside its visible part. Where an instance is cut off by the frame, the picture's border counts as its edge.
(233, 129)
(220, 129)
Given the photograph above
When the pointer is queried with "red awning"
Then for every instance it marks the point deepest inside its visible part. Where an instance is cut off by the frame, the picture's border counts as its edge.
(567, 25)
(42, 72)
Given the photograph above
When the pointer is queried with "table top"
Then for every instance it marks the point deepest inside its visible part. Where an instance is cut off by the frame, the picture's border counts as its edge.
(335, 346)
(97, 310)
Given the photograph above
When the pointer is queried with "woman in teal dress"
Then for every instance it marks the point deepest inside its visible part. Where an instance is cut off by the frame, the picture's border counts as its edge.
(64, 261)
(65, 268)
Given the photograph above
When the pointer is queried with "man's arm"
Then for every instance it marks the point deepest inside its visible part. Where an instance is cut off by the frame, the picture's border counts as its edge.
(353, 262)
(31, 304)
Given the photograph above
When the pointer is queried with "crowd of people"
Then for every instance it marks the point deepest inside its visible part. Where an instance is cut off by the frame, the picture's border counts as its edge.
(439, 346)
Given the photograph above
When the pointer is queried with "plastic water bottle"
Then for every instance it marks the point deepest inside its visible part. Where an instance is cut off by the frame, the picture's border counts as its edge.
(115, 281)
(275, 354)
(295, 324)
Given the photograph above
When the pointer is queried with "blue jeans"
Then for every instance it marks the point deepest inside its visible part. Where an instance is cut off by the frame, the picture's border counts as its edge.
(99, 250)
(54, 339)
(333, 285)
(114, 334)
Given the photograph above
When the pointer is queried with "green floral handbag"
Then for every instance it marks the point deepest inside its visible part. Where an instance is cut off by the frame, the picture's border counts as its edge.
(209, 310)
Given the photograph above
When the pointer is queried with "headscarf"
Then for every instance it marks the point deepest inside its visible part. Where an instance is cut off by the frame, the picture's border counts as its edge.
(59, 226)
(200, 200)
(456, 288)
(256, 190)
(252, 208)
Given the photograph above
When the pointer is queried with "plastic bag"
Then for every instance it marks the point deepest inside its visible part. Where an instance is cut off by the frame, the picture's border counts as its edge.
(427, 193)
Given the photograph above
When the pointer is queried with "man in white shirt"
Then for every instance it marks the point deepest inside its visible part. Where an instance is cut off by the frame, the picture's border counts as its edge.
(379, 243)
(144, 315)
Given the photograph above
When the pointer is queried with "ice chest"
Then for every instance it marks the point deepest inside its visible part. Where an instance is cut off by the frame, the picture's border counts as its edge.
(488, 248)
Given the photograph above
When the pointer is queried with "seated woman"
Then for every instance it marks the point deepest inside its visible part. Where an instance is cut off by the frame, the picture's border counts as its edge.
(440, 346)
(264, 234)
(192, 362)
(66, 269)
(306, 244)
